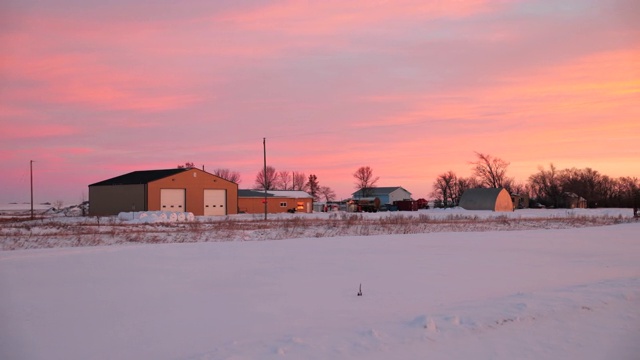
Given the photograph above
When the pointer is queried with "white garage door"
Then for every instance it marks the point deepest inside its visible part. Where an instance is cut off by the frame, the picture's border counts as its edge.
(172, 199)
(215, 202)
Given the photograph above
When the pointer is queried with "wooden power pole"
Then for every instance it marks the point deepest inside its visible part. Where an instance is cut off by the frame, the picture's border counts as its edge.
(264, 149)
(31, 182)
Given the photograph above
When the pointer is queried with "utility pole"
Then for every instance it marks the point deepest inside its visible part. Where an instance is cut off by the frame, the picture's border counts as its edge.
(264, 149)
(31, 178)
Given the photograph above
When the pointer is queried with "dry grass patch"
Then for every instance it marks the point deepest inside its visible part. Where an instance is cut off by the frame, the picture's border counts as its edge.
(95, 231)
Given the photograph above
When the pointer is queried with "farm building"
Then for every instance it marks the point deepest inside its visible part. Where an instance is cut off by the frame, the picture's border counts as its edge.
(179, 190)
(495, 199)
(252, 201)
(520, 201)
(387, 195)
(573, 201)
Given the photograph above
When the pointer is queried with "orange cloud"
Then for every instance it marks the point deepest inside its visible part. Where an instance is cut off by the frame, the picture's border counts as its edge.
(580, 113)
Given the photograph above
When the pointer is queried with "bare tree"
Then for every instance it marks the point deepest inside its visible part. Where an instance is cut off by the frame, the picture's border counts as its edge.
(462, 185)
(327, 193)
(490, 171)
(365, 181)
(627, 192)
(314, 187)
(187, 165)
(284, 179)
(267, 182)
(546, 186)
(587, 183)
(227, 174)
(444, 187)
(299, 181)
(519, 188)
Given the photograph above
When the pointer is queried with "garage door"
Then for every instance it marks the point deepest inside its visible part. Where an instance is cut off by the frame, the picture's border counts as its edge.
(172, 199)
(215, 202)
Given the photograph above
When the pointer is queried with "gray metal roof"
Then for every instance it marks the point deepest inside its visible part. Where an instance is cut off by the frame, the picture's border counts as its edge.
(252, 193)
(378, 191)
(486, 199)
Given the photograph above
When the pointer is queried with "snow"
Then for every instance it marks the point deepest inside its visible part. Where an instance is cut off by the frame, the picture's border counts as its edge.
(569, 293)
(142, 217)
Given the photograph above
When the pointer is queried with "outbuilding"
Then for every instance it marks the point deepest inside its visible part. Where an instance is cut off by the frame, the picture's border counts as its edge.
(574, 201)
(387, 195)
(495, 199)
(278, 201)
(180, 190)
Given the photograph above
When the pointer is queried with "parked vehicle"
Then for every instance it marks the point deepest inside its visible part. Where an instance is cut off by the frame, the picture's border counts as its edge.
(371, 204)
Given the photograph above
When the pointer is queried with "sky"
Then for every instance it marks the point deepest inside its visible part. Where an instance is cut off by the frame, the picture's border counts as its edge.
(91, 89)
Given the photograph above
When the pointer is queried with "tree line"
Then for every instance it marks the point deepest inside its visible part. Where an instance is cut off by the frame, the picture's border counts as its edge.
(547, 187)
(285, 180)
(270, 179)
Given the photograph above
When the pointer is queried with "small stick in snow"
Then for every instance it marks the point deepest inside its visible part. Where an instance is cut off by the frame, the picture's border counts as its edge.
(360, 291)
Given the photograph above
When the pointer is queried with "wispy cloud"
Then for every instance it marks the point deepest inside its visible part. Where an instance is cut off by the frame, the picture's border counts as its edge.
(410, 88)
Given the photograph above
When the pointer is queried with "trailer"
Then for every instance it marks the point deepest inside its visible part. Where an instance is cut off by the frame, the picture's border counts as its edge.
(406, 205)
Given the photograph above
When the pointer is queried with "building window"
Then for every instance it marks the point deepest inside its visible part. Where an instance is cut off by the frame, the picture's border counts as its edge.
(283, 204)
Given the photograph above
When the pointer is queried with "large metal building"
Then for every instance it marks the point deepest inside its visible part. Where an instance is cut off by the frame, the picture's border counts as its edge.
(495, 199)
(182, 189)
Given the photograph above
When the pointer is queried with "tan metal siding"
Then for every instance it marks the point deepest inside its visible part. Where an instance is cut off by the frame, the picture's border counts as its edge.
(503, 201)
(254, 205)
(195, 181)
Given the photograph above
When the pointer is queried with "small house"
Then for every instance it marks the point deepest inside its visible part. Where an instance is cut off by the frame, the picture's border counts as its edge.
(387, 195)
(574, 201)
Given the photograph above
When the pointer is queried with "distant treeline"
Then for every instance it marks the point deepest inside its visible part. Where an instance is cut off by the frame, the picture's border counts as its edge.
(548, 187)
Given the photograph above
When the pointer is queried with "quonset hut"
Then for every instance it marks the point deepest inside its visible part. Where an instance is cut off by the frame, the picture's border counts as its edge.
(495, 199)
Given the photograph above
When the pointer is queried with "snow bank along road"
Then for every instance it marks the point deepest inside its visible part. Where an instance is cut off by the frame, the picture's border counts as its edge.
(534, 294)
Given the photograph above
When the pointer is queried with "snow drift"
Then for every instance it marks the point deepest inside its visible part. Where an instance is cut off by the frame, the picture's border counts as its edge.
(155, 216)
(534, 294)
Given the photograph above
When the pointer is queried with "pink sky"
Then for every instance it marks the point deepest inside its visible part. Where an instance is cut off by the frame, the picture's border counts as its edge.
(90, 90)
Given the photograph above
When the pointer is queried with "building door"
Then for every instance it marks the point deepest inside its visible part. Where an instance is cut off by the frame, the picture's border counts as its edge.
(172, 200)
(215, 202)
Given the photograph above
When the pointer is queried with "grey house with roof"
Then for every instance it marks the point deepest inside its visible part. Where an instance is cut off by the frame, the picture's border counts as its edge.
(387, 195)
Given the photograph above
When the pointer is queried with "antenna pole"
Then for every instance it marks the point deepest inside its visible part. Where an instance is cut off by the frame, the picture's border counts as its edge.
(264, 149)
(31, 181)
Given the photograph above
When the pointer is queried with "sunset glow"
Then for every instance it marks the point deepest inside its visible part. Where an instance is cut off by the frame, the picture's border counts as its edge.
(90, 90)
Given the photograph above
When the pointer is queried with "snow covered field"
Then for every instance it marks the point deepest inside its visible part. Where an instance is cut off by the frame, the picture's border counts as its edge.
(545, 293)
(56, 229)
